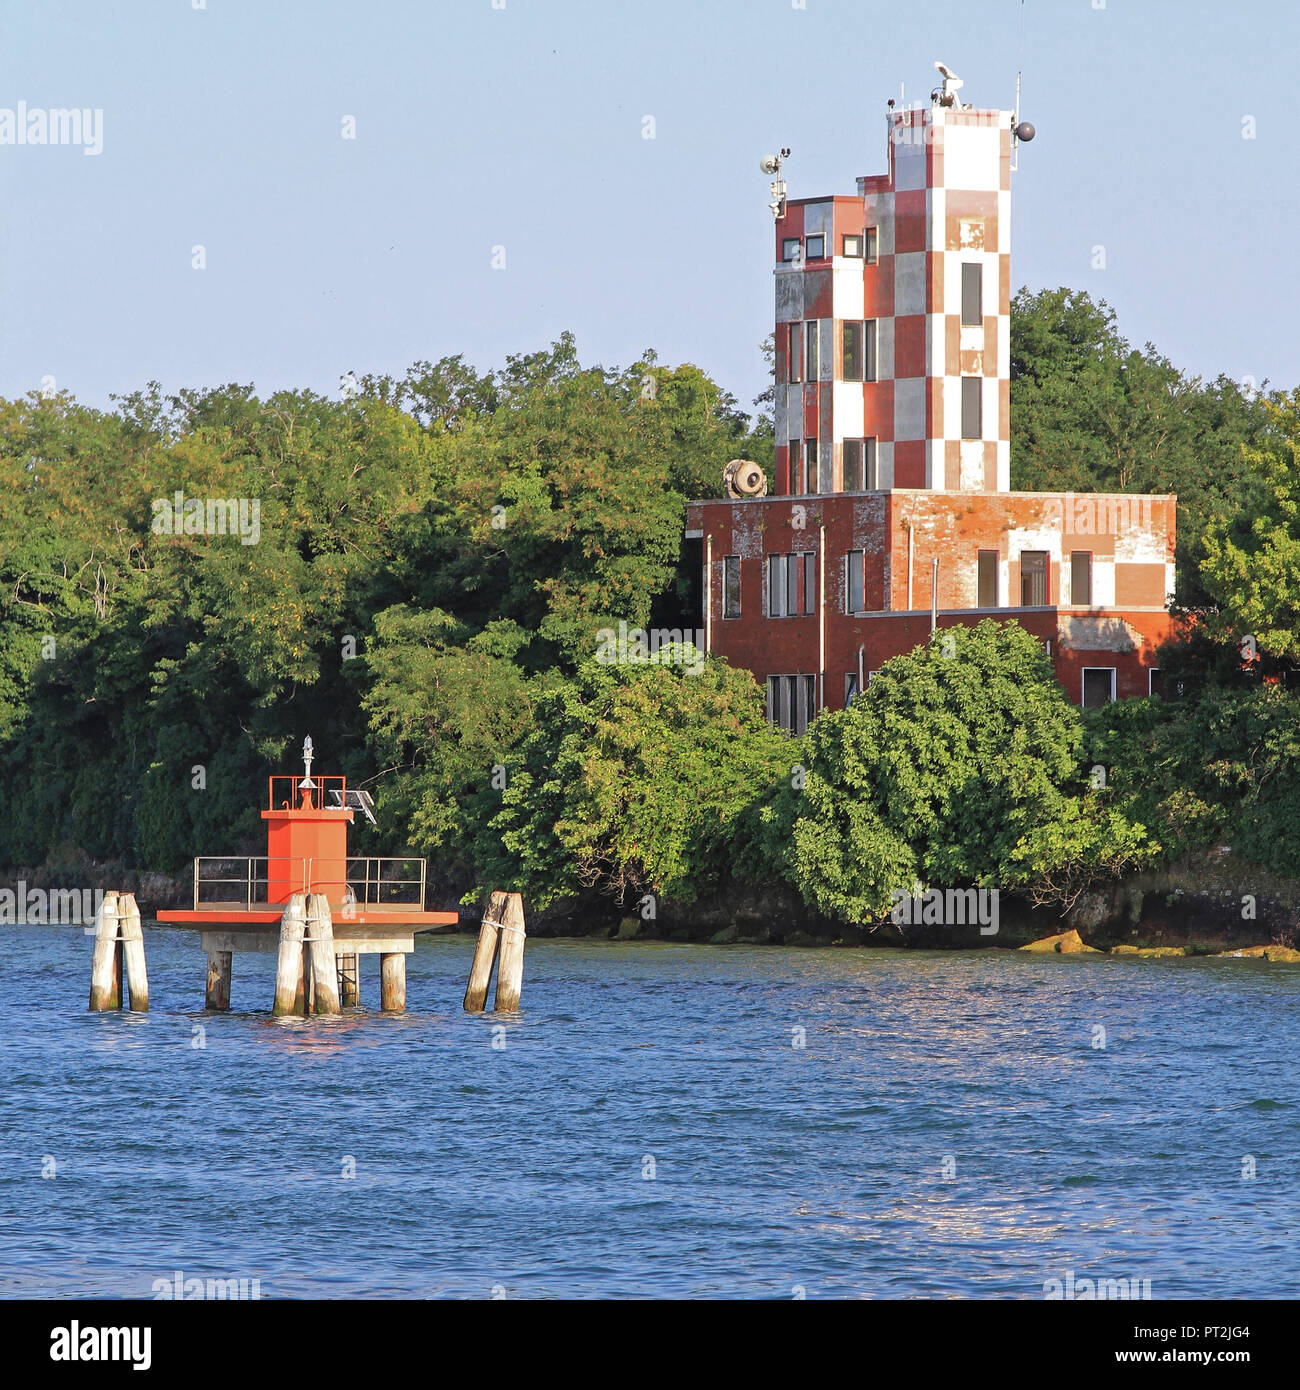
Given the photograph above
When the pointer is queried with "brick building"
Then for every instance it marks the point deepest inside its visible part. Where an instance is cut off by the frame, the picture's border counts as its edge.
(891, 507)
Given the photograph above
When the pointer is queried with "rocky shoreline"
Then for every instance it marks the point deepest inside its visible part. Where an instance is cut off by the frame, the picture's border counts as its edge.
(1205, 905)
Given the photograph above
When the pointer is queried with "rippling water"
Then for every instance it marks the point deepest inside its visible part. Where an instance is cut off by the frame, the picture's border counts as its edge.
(774, 1167)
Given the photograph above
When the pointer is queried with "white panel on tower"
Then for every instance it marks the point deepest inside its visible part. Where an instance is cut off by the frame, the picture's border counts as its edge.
(849, 410)
(971, 157)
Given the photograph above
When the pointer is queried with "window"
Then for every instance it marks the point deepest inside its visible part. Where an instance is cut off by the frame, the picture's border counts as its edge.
(859, 354)
(791, 702)
(855, 582)
(872, 240)
(859, 470)
(987, 596)
(972, 412)
(1033, 578)
(815, 248)
(852, 246)
(852, 466)
(851, 369)
(972, 295)
(792, 584)
(794, 352)
(850, 687)
(810, 460)
(812, 355)
(796, 464)
(1081, 577)
(790, 248)
(731, 586)
(1098, 686)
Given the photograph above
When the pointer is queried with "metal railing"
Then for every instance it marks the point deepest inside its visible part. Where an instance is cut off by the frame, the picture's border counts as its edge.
(328, 792)
(244, 881)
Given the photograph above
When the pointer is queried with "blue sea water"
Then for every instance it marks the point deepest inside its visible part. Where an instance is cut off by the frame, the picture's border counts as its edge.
(648, 1127)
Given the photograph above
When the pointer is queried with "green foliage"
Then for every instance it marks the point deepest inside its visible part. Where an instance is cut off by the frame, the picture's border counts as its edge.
(1252, 558)
(952, 755)
(1222, 768)
(445, 707)
(1092, 413)
(462, 535)
(633, 781)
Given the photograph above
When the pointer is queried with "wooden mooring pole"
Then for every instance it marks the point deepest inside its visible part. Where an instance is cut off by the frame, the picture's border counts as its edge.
(132, 941)
(105, 965)
(503, 928)
(480, 973)
(510, 965)
(324, 967)
(289, 991)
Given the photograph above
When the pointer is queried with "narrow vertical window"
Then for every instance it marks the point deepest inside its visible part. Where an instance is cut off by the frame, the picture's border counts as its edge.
(1081, 577)
(972, 412)
(852, 363)
(791, 585)
(794, 352)
(987, 597)
(796, 465)
(854, 586)
(972, 295)
(808, 710)
(809, 582)
(731, 586)
(852, 466)
(811, 472)
(812, 354)
(1033, 578)
(872, 243)
(869, 480)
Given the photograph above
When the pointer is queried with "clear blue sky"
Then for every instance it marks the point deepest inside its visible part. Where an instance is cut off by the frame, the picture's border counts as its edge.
(522, 127)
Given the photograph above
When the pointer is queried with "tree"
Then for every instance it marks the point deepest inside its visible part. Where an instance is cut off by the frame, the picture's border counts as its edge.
(1091, 413)
(1252, 558)
(633, 781)
(939, 773)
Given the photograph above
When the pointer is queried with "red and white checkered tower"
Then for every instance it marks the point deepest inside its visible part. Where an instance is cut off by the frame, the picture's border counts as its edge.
(893, 314)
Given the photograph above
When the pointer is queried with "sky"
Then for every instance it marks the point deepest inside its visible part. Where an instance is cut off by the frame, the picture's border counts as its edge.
(500, 187)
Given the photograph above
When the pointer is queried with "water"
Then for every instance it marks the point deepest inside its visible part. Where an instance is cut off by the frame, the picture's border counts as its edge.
(774, 1167)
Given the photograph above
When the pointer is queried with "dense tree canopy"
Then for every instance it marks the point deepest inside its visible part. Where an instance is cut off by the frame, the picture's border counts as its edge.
(417, 575)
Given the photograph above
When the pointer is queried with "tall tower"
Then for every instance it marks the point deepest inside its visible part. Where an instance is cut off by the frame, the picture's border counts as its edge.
(893, 315)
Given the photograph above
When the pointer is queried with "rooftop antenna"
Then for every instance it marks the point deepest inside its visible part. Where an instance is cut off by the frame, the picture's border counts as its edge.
(771, 164)
(952, 84)
(1020, 130)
